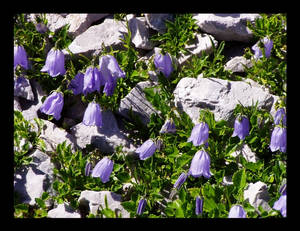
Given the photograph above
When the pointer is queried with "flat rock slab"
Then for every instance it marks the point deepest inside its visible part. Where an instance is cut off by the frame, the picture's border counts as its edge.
(106, 138)
(201, 43)
(237, 64)
(158, 21)
(32, 180)
(137, 102)
(63, 211)
(92, 200)
(227, 27)
(220, 97)
(90, 42)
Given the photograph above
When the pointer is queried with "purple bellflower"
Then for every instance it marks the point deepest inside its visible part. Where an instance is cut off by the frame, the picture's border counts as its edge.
(181, 179)
(268, 45)
(53, 105)
(200, 165)
(280, 205)
(88, 170)
(20, 83)
(110, 71)
(20, 57)
(76, 84)
(237, 211)
(241, 127)
(280, 115)
(55, 63)
(163, 63)
(146, 150)
(199, 206)
(141, 207)
(199, 134)
(103, 169)
(41, 27)
(278, 139)
(168, 127)
(91, 80)
(92, 115)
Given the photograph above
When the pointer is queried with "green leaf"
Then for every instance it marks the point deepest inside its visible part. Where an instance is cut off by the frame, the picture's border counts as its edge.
(239, 179)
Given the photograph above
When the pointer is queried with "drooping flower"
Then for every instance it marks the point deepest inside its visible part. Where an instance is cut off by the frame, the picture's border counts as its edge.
(241, 127)
(141, 207)
(20, 84)
(110, 71)
(199, 206)
(20, 57)
(199, 134)
(200, 165)
(103, 169)
(163, 63)
(280, 205)
(268, 45)
(91, 80)
(237, 211)
(181, 179)
(146, 150)
(55, 63)
(88, 170)
(92, 115)
(53, 105)
(280, 115)
(168, 127)
(76, 84)
(278, 139)
(41, 27)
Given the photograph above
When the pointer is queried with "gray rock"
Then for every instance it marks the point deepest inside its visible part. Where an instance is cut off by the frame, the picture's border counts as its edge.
(246, 152)
(237, 64)
(17, 105)
(220, 97)
(137, 102)
(139, 32)
(63, 211)
(30, 109)
(55, 22)
(91, 201)
(106, 138)
(227, 27)
(90, 42)
(53, 135)
(30, 181)
(200, 44)
(81, 22)
(23, 89)
(257, 195)
(157, 21)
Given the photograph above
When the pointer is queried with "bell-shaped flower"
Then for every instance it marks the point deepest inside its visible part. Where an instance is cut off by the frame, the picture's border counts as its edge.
(181, 179)
(163, 63)
(20, 57)
(20, 84)
(103, 169)
(141, 207)
(88, 169)
(91, 80)
(41, 27)
(76, 84)
(280, 116)
(199, 134)
(146, 150)
(55, 63)
(237, 211)
(53, 105)
(278, 139)
(268, 45)
(280, 205)
(110, 71)
(168, 127)
(199, 206)
(200, 165)
(92, 115)
(241, 127)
